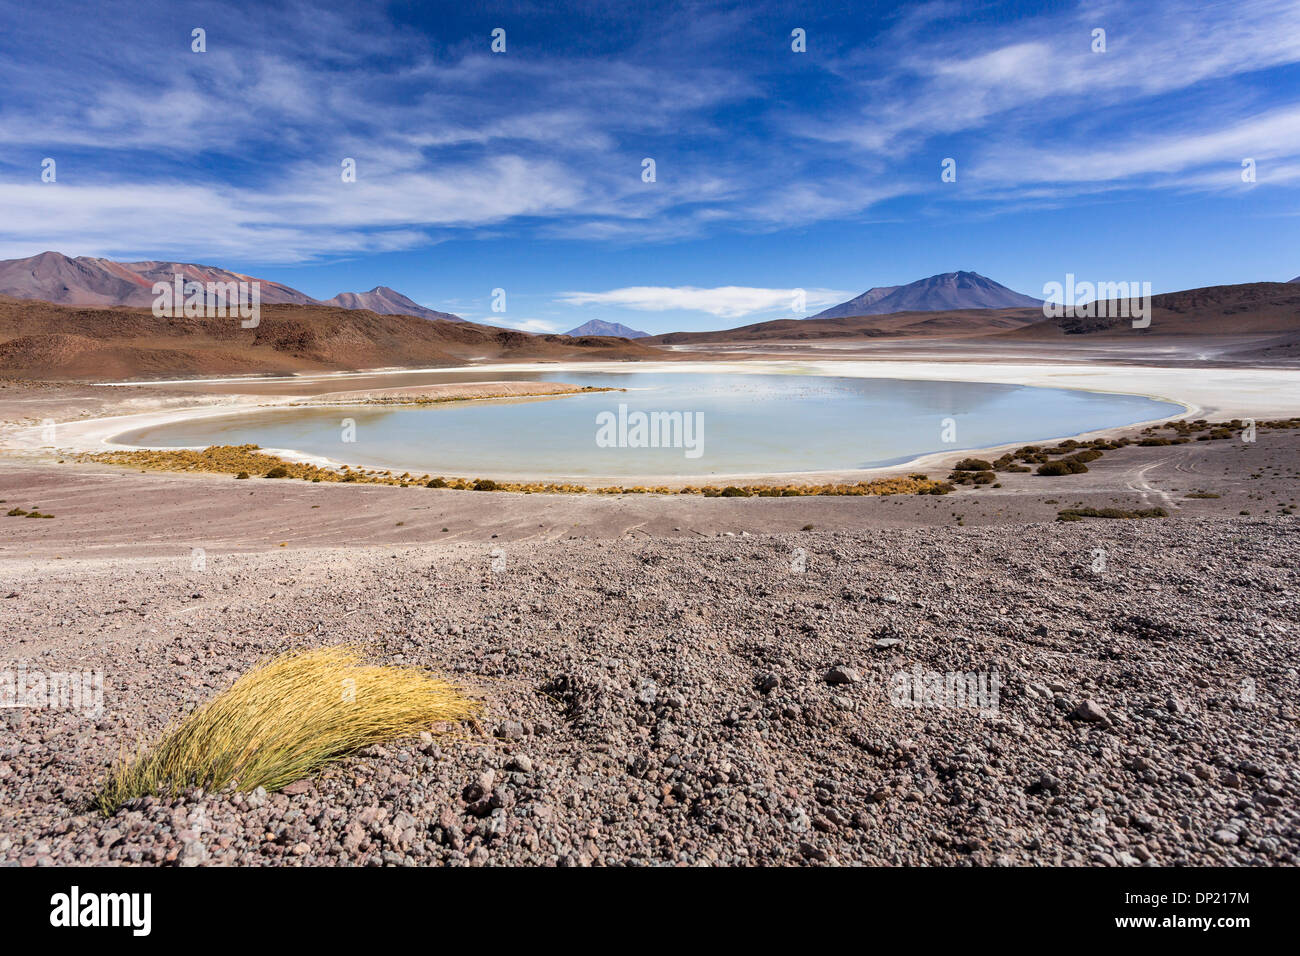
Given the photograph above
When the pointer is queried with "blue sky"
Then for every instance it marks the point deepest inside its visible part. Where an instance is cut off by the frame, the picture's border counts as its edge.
(775, 170)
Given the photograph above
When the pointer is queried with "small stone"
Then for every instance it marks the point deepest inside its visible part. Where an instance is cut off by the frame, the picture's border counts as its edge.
(842, 675)
(510, 730)
(192, 853)
(1089, 711)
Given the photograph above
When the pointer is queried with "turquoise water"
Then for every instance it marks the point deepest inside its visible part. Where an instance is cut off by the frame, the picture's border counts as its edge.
(752, 424)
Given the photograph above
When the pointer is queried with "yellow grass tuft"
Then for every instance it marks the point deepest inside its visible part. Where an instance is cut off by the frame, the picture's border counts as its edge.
(285, 720)
(251, 460)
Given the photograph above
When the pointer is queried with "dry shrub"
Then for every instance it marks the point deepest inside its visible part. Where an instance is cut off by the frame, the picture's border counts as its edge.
(284, 720)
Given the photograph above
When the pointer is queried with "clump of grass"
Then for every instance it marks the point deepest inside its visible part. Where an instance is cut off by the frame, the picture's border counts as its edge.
(1061, 467)
(284, 720)
(1078, 514)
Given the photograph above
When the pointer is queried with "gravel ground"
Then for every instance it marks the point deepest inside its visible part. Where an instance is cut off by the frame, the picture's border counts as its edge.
(709, 699)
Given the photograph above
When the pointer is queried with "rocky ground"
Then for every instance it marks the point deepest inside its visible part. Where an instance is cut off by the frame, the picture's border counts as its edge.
(721, 698)
(674, 679)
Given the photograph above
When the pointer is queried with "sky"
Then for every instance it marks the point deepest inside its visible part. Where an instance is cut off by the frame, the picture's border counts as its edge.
(773, 169)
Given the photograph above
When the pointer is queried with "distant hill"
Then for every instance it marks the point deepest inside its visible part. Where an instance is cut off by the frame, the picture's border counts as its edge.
(597, 327)
(955, 323)
(1251, 308)
(88, 280)
(949, 292)
(39, 340)
(386, 301)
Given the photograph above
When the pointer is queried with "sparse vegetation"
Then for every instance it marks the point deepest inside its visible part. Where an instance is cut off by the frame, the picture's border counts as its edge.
(284, 720)
(243, 460)
(23, 513)
(1078, 514)
(1061, 467)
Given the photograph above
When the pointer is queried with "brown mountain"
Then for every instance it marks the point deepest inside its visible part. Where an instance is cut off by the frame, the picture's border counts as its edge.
(947, 292)
(601, 327)
(1248, 309)
(87, 280)
(965, 322)
(385, 301)
(40, 340)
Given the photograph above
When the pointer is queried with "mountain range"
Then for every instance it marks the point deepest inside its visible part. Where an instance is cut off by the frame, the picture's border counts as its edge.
(39, 340)
(89, 280)
(598, 327)
(949, 291)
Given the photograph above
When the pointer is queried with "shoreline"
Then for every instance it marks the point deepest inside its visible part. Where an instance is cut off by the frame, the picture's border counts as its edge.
(1199, 392)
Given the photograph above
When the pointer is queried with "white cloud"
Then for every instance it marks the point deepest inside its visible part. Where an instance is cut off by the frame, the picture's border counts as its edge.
(727, 302)
(538, 326)
(1217, 151)
(237, 152)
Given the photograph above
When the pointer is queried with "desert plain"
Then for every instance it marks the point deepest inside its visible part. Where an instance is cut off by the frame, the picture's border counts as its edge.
(682, 679)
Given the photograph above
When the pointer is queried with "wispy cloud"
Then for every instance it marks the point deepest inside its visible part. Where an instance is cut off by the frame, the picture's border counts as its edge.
(237, 151)
(727, 302)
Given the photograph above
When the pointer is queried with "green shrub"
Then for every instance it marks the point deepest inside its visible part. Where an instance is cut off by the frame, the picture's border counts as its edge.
(972, 464)
(1076, 514)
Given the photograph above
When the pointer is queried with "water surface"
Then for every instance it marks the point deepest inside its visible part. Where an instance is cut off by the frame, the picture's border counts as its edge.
(753, 424)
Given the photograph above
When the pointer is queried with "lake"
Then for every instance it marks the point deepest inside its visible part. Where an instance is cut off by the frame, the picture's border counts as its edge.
(671, 423)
